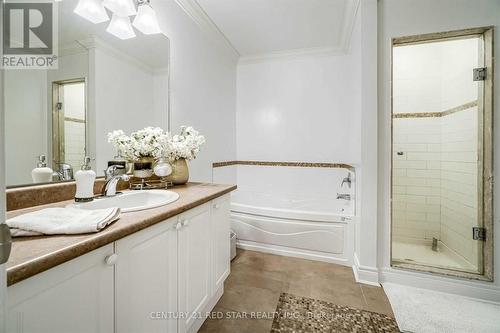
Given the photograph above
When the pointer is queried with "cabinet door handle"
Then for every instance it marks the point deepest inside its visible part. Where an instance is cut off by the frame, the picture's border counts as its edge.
(111, 259)
(185, 223)
(178, 226)
(216, 206)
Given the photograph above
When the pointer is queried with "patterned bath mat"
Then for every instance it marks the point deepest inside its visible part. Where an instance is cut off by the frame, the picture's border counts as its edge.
(297, 314)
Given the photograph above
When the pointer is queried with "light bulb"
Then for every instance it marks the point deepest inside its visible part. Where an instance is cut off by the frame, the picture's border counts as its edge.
(120, 7)
(91, 10)
(146, 21)
(120, 27)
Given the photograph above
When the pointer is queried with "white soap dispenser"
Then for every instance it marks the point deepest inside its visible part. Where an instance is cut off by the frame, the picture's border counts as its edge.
(42, 173)
(85, 182)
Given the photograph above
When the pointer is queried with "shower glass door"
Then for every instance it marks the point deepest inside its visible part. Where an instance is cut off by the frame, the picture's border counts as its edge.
(441, 153)
(69, 123)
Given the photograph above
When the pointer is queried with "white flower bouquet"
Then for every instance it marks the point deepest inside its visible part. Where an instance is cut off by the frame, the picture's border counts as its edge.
(185, 145)
(154, 142)
(147, 142)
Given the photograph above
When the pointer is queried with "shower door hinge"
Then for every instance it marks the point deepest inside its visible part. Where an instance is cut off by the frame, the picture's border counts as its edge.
(479, 74)
(479, 233)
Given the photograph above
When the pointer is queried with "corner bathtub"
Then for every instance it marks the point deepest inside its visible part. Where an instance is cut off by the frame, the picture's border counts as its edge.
(306, 227)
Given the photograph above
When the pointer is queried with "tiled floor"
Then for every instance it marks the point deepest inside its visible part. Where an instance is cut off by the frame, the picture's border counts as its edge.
(257, 279)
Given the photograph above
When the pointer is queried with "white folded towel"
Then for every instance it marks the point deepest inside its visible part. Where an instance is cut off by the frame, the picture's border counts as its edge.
(53, 221)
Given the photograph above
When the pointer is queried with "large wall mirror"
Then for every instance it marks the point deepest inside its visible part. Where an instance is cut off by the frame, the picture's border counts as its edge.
(442, 106)
(102, 83)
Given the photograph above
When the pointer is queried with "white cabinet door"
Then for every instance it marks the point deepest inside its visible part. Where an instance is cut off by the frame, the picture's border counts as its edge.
(76, 296)
(195, 281)
(146, 280)
(221, 242)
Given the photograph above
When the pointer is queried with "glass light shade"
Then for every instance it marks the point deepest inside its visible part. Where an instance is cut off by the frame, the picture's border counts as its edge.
(146, 21)
(120, 27)
(91, 10)
(120, 7)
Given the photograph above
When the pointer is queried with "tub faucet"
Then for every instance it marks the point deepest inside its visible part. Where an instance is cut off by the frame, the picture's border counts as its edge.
(347, 180)
(112, 179)
(344, 196)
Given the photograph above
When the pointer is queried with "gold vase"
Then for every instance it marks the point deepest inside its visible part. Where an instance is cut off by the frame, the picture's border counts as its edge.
(180, 172)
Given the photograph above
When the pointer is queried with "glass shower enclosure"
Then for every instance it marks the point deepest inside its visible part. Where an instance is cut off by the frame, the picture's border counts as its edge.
(442, 153)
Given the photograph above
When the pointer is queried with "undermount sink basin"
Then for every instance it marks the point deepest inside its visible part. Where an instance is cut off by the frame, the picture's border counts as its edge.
(132, 201)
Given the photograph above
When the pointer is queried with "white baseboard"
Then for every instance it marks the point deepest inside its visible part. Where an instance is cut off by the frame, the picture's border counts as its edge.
(486, 291)
(291, 252)
(365, 274)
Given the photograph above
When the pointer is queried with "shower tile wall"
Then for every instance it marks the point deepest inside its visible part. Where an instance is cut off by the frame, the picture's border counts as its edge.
(459, 183)
(434, 182)
(74, 144)
(416, 182)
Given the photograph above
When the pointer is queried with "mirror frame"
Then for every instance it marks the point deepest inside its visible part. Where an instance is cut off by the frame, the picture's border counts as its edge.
(56, 121)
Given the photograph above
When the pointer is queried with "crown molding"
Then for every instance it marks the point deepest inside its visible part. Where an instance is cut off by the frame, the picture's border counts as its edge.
(162, 71)
(71, 48)
(290, 54)
(350, 13)
(193, 9)
(97, 43)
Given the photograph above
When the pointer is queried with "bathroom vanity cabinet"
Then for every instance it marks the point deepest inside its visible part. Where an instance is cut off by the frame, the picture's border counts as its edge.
(160, 279)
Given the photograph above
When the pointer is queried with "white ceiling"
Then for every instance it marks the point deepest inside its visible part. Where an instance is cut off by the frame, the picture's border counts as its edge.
(260, 27)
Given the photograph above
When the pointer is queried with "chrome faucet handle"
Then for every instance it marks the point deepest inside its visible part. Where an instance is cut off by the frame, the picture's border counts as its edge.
(65, 171)
(109, 187)
(347, 180)
(63, 165)
(111, 170)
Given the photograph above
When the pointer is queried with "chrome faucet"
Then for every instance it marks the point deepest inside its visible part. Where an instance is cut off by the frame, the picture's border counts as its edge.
(347, 180)
(65, 171)
(344, 196)
(112, 179)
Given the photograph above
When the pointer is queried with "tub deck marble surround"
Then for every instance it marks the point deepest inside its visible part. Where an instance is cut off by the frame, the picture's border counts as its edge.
(33, 255)
(284, 164)
(257, 279)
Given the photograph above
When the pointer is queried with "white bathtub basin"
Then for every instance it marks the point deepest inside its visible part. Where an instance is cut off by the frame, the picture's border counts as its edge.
(132, 201)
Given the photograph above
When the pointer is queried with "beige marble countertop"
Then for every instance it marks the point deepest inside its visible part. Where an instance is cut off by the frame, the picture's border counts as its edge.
(33, 255)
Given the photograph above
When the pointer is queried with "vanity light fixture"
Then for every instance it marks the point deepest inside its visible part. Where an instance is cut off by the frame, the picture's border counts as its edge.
(120, 7)
(92, 10)
(146, 21)
(120, 27)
